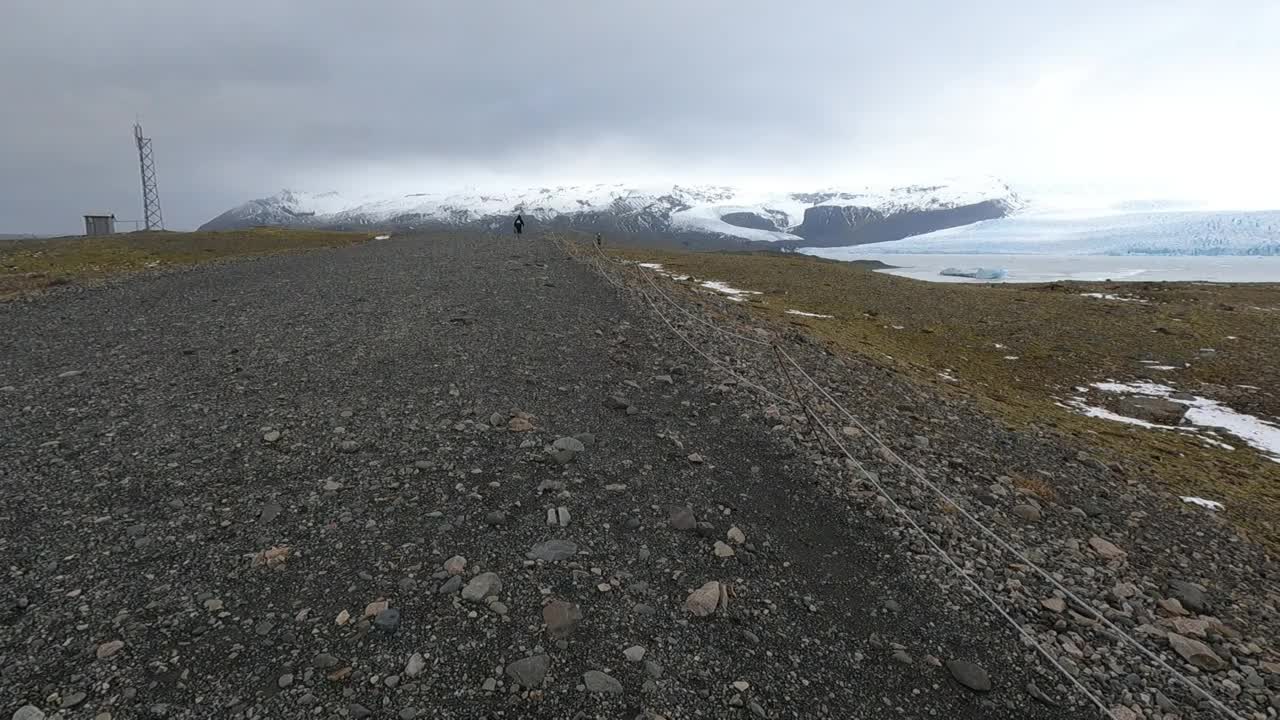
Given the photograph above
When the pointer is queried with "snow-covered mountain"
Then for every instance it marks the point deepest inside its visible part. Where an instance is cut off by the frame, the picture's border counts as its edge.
(710, 214)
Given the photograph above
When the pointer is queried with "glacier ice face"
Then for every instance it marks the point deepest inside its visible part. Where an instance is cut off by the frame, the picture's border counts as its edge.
(1134, 233)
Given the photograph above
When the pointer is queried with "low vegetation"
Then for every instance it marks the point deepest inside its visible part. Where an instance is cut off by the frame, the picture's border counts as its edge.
(32, 265)
(1021, 350)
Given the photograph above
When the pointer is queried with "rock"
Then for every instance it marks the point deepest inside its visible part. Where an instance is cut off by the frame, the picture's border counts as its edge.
(634, 654)
(553, 550)
(1191, 595)
(570, 444)
(497, 419)
(417, 663)
(1152, 409)
(598, 682)
(28, 712)
(682, 518)
(455, 565)
(324, 661)
(695, 458)
(387, 621)
(971, 675)
(1172, 606)
(561, 618)
(1054, 604)
(519, 425)
(736, 537)
(617, 402)
(1121, 712)
(529, 672)
(284, 681)
(348, 446)
(408, 713)
(704, 601)
(450, 586)
(375, 607)
(1124, 590)
(756, 710)
(1196, 653)
(1189, 626)
(495, 517)
(271, 436)
(721, 549)
(1028, 513)
(563, 457)
(481, 587)
(358, 711)
(1105, 549)
(107, 649)
(901, 656)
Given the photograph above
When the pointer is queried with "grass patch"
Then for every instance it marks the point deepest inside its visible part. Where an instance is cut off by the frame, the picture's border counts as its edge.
(1060, 340)
(32, 265)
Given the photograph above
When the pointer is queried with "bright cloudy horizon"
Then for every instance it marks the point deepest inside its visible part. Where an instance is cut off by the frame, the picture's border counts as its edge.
(1152, 99)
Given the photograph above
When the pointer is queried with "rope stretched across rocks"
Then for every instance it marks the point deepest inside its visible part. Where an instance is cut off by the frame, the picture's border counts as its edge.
(597, 264)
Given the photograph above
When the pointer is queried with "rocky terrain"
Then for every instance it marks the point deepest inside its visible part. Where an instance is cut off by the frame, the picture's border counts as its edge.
(458, 477)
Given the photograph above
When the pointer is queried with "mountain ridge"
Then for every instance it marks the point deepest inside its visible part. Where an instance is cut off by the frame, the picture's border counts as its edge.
(705, 216)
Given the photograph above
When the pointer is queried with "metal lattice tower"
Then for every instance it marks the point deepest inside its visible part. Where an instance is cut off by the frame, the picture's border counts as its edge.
(152, 217)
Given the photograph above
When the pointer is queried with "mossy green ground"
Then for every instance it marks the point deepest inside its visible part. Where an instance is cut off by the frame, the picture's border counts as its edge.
(30, 265)
(1061, 340)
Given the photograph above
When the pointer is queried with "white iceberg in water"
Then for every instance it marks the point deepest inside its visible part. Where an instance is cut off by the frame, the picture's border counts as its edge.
(975, 273)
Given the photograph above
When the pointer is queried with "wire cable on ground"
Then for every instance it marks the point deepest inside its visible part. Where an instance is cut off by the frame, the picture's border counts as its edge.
(1196, 688)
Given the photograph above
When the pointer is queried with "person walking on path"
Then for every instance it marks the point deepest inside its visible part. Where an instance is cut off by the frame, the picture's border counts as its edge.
(519, 224)
(599, 240)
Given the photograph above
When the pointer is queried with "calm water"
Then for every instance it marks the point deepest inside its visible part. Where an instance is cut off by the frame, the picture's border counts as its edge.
(1048, 268)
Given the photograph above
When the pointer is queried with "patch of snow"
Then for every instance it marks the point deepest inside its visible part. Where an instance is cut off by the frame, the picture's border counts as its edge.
(1119, 298)
(723, 287)
(807, 314)
(1163, 367)
(999, 346)
(897, 327)
(651, 266)
(1232, 337)
(1010, 357)
(946, 375)
(1205, 413)
(382, 237)
(1210, 504)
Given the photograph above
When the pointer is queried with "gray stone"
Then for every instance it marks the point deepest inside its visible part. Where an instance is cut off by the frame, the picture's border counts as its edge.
(553, 550)
(450, 586)
(573, 445)
(561, 618)
(358, 711)
(1152, 409)
(971, 675)
(284, 681)
(408, 713)
(481, 587)
(388, 621)
(1106, 549)
(635, 653)
(417, 663)
(598, 682)
(529, 672)
(324, 661)
(1191, 596)
(901, 656)
(1028, 513)
(495, 517)
(1196, 653)
(28, 712)
(682, 518)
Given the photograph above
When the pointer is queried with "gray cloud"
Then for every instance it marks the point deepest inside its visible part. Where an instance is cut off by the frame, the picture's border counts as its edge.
(243, 97)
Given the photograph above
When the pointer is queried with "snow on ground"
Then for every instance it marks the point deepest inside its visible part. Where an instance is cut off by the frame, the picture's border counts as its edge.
(807, 314)
(1202, 413)
(1210, 504)
(1119, 298)
(732, 292)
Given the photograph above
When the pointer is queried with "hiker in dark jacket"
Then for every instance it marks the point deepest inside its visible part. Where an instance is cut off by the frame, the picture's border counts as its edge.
(599, 240)
(519, 224)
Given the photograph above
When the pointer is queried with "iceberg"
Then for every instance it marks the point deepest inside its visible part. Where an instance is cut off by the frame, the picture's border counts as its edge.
(975, 273)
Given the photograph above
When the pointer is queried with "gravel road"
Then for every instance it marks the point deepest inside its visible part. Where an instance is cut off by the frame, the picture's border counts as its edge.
(465, 478)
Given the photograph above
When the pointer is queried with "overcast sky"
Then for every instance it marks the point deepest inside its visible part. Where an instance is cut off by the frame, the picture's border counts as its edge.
(244, 97)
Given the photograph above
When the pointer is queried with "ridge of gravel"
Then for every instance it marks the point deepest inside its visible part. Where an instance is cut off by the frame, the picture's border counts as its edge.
(1175, 577)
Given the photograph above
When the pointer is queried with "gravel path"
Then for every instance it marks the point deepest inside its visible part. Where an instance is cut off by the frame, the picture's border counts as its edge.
(456, 478)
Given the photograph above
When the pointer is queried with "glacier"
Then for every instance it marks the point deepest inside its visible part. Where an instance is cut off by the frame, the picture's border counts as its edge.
(1187, 232)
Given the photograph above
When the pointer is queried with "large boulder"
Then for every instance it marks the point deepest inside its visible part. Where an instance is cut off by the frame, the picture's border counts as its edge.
(1152, 409)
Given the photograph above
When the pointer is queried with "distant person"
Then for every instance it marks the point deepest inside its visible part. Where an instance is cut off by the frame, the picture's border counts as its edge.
(519, 224)
(599, 240)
